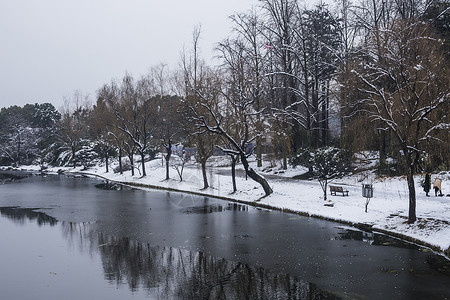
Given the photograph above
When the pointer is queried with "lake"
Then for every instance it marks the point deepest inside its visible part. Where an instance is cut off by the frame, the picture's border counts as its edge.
(72, 238)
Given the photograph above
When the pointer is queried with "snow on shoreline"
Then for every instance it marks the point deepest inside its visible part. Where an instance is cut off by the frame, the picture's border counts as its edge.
(387, 211)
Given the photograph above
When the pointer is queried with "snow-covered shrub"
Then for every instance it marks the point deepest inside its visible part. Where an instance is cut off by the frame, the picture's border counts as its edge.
(126, 166)
(87, 155)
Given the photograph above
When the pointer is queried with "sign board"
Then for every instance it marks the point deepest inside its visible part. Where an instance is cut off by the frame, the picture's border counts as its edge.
(367, 190)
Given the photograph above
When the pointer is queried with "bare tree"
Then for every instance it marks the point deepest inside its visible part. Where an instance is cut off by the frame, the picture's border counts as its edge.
(102, 125)
(179, 161)
(119, 99)
(73, 123)
(304, 47)
(281, 17)
(160, 74)
(248, 30)
(194, 72)
(168, 124)
(135, 112)
(217, 103)
(144, 125)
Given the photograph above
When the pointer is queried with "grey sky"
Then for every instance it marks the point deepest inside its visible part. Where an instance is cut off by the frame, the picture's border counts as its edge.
(50, 48)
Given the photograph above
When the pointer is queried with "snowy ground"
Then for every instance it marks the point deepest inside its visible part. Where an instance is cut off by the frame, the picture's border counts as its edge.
(387, 210)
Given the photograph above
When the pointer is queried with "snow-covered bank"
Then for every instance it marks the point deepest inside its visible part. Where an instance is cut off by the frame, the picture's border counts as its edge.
(387, 211)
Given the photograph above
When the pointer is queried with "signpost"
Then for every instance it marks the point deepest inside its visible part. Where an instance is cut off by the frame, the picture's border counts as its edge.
(367, 192)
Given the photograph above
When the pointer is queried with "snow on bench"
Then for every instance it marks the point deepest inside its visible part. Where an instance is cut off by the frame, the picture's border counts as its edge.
(338, 189)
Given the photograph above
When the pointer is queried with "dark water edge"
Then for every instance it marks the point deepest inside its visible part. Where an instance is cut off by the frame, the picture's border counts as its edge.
(9, 176)
(159, 272)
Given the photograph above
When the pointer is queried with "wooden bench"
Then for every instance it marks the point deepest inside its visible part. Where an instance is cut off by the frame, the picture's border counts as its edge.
(338, 189)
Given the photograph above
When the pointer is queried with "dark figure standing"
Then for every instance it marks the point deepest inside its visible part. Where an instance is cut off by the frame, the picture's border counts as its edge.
(427, 184)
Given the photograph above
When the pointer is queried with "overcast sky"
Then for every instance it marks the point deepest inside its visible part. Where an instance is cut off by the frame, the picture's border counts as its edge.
(50, 48)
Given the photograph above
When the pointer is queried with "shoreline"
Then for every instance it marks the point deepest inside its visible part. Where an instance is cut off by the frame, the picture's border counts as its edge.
(387, 214)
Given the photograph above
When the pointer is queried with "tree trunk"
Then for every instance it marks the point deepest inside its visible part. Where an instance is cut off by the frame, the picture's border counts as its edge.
(322, 124)
(143, 164)
(324, 184)
(233, 172)
(284, 152)
(132, 164)
(120, 161)
(382, 152)
(107, 160)
(259, 152)
(412, 196)
(180, 171)
(167, 168)
(325, 114)
(255, 176)
(169, 154)
(315, 114)
(205, 178)
(307, 100)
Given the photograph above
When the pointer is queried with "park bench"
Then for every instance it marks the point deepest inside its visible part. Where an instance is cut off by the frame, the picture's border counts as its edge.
(338, 189)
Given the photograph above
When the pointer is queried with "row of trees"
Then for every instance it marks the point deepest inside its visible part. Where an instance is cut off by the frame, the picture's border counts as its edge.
(374, 72)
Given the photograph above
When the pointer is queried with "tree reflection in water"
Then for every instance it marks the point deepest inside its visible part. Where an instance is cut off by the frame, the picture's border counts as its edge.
(20, 215)
(176, 273)
(8, 176)
(172, 273)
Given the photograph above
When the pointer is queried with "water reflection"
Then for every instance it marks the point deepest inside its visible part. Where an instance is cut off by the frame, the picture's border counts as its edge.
(9, 176)
(112, 186)
(212, 208)
(176, 273)
(374, 239)
(19, 215)
(173, 273)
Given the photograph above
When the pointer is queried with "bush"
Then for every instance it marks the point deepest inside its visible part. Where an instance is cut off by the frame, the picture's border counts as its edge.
(126, 166)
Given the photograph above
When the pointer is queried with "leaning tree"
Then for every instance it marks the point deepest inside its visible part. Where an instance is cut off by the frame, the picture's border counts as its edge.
(224, 105)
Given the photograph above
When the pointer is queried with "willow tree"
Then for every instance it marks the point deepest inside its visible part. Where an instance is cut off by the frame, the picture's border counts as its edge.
(407, 91)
